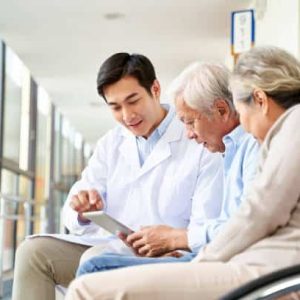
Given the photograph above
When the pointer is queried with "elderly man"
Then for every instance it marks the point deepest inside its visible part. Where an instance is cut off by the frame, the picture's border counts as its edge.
(204, 104)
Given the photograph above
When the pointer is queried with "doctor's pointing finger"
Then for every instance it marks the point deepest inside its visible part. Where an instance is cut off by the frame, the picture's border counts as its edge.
(86, 201)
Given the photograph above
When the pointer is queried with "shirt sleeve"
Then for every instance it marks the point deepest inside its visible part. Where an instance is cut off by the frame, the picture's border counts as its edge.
(268, 205)
(94, 176)
(207, 199)
(208, 228)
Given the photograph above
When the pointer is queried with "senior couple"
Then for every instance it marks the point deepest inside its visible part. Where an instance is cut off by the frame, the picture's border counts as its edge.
(238, 224)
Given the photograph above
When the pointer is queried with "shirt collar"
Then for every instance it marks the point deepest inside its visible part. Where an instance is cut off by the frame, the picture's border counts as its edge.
(162, 127)
(234, 137)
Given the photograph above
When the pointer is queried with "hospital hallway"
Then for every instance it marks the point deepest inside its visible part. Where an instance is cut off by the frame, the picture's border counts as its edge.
(51, 114)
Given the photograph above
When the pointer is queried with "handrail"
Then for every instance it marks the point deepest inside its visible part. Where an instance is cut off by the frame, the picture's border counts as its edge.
(15, 198)
(18, 218)
(28, 204)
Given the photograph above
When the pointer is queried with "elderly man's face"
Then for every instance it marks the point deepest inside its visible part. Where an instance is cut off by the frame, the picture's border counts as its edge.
(205, 129)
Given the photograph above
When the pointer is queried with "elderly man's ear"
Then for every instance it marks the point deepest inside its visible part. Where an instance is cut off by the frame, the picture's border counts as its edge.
(222, 108)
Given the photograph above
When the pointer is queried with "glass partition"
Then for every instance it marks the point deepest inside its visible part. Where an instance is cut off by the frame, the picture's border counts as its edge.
(78, 143)
(87, 153)
(9, 185)
(14, 75)
(42, 160)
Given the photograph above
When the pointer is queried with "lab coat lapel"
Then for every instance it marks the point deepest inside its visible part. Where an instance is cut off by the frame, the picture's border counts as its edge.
(162, 149)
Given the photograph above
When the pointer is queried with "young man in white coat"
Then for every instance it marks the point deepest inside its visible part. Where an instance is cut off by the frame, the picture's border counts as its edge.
(145, 173)
(204, 104)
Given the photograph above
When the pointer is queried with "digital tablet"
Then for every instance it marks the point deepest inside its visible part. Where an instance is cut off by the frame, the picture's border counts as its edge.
(107, 222)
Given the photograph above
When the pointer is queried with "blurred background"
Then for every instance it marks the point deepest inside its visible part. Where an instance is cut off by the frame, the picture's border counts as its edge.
(50, 114)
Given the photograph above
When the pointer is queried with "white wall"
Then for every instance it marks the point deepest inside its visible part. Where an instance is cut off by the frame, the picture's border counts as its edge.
(298, 30)
(278, 24)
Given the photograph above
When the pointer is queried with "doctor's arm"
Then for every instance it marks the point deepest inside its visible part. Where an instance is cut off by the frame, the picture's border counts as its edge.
(87, 194)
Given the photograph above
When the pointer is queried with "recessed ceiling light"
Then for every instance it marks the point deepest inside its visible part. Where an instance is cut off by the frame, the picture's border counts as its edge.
(113, 16)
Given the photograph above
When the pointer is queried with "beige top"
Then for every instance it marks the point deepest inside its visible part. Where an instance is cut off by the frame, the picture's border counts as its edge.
(265, 230)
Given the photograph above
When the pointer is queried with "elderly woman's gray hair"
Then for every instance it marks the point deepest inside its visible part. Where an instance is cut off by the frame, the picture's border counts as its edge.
(271, 69)
(200, 84)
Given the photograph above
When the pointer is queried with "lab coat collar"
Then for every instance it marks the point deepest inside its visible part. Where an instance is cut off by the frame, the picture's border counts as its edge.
(162, 150)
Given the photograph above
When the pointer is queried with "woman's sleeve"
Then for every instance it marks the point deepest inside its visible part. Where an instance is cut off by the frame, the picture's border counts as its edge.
(270, 203)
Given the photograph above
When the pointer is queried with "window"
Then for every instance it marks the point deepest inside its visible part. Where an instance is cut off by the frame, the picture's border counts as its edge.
(42, 171)
(16, 112)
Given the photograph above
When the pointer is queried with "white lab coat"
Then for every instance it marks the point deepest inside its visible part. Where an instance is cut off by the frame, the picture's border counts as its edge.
(180, 181)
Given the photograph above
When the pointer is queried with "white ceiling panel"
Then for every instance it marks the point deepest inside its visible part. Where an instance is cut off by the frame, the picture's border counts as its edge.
(63, 43)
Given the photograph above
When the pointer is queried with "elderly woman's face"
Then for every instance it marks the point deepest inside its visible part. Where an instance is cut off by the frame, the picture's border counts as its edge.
(252, 119)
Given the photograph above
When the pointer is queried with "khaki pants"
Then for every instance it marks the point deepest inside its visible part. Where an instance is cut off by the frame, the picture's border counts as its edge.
(43, 262)
(164, 281)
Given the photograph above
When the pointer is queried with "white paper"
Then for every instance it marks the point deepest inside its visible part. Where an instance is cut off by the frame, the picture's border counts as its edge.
(114, 244)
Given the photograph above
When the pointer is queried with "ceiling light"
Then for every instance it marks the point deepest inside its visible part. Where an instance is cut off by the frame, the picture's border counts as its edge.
(113, 16)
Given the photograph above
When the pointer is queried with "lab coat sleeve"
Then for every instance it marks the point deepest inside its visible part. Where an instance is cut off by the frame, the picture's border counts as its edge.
(94, 176)
(207, 198)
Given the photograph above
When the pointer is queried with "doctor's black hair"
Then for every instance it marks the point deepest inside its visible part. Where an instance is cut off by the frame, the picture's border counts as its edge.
(124, 64)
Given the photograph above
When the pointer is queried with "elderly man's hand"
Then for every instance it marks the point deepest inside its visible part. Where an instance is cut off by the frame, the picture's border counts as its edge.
(86, 201)
(157, 240)
(176, 254)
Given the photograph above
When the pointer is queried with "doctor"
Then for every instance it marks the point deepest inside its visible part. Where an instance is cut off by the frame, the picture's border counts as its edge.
(145, 173)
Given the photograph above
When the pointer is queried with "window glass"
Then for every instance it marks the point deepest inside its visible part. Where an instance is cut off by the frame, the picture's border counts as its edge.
(59, 198)
(87, 153)
(78, 154)
(12, 106)
(57, 147)
(9, 183)
(24, 211)
(42, 160)
(67, 155)
(1, 64)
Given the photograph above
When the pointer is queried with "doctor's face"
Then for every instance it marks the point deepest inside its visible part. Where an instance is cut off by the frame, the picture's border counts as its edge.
(133, 106)
(204, 130)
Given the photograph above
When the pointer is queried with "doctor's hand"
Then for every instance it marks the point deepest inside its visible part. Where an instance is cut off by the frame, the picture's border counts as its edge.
(86, 201)
(157, 240)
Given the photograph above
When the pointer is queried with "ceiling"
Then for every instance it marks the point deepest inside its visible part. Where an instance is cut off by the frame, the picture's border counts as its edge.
(63, 43)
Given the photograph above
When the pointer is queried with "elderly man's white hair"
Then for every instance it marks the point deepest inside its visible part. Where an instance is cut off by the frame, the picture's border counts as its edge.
(201, 84)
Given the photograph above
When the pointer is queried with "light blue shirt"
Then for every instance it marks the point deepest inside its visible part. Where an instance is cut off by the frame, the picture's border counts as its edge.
(240, 160)
(145, 146)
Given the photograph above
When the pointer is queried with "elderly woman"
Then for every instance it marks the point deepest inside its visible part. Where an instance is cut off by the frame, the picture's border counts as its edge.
(264, 234)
